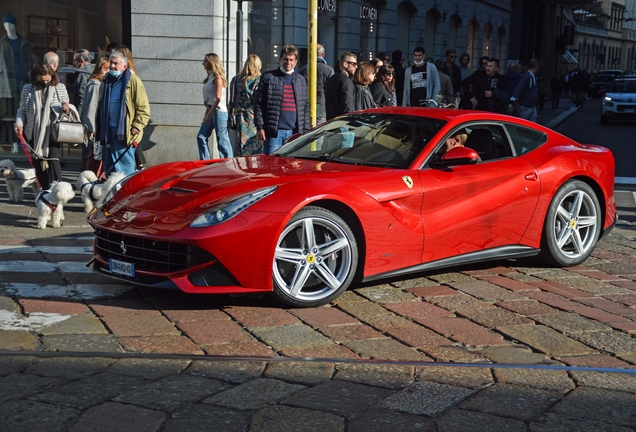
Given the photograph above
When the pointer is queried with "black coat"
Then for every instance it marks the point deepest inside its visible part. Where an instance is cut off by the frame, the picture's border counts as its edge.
(324, 72)
(339, 95)
(268, 101)
(381, 95)
(496, 84)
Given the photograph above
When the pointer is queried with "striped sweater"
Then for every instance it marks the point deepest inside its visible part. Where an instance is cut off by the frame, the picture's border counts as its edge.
(25, 117)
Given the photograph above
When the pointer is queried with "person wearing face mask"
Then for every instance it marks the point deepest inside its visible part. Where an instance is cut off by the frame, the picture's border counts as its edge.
(88, 113)
(42, 95)
(124, 112)
(421, 81)
(281, 102)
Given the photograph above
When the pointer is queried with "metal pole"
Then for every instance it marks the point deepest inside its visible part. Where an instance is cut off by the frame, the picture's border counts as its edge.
(312, 53)
(239, 37)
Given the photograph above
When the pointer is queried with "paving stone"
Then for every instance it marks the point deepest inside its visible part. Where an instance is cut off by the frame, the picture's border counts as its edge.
(415, 283)
(144, 324)
(150, 369)
(445, 278)
(261, 316)
(338, 397)
(419, 337)
(546, 340)
(553, 300)
(382, 420)
(81, 343)
(426, 398)
(69, 368)
(163, 344)
(626, 299)
(306, 373)
(454, 354)
(351, 332)
(26, 415)
(462, 303)
(615, 407)
(290, 336)
(383, 349)
(614, 342)
(330, 353)
(76, 324)
(7, 303)
(611, 381)
(626, 326)
(570, 323)
(459, 420)
(197, 315)
(115, 416)
(594, 360)
(123, 307)
(233, 371)
(53, 306)
(527, 307)
(90, 391)
(386, 321)
(419, 310)
(486, 291)
(17, 385)
(255, 394)
(555, 380)
(631, 357)
(254, 348)
(326, 316)
(607, 306)
(517, 402)
(508, 283)
(552, 422)
(288, 419)
(495, 317)
(377, 375)
(203, 417)
(18, 340)
(221, 332)
(433, 291)
(348, 296)
(514, 354)
(599, 315)
(14, 364)
(386, 294)
(464, 331)
(364, 310)
(469, 377)
(173, 391)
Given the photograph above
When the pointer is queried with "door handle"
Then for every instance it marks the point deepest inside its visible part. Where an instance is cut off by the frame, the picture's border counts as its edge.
(533, 176)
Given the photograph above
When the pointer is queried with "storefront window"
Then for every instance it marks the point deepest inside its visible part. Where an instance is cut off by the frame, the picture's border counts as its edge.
(265, 30)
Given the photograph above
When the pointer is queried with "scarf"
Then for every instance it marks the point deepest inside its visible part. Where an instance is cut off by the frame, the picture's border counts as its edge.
(42, 121)
(109, 82)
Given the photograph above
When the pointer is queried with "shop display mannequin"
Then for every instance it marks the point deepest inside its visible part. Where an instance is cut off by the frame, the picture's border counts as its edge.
(16, 60)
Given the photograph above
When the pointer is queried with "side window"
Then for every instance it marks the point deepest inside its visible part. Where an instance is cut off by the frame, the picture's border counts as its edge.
(489, 141)
(525, 139)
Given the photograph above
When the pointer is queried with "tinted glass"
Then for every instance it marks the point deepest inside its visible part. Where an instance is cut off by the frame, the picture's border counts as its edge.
(366, 139)
(525, 139)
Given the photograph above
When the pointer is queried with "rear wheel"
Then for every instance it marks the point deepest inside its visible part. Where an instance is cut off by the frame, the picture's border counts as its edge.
(315, 259)
(572, 225)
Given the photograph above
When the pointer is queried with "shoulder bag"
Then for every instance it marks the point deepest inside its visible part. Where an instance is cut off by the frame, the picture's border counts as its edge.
(231, 119)
(66, 128)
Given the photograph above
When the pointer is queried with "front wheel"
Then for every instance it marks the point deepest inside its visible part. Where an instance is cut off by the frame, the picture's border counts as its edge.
(572, 225)
(315, 259)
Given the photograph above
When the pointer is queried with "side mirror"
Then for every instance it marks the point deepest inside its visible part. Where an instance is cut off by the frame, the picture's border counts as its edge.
(458, 156)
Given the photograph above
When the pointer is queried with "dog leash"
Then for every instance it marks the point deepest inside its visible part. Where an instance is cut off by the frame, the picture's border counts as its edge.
(26, 149)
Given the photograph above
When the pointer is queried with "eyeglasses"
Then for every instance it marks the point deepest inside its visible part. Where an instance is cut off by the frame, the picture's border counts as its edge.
(352, 63)
(484, 63)
(388, 73)
(452, 56)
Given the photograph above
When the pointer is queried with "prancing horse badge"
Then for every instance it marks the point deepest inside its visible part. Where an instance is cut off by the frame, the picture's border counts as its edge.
(409, 181)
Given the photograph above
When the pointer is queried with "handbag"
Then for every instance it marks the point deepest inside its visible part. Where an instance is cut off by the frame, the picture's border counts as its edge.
(64, 131)
(232, 122)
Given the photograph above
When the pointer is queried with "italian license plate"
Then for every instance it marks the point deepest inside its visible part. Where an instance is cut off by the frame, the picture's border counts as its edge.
(122, 268)
(629, 110)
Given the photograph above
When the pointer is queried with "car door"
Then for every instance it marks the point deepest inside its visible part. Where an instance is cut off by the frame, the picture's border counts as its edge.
(469, 208)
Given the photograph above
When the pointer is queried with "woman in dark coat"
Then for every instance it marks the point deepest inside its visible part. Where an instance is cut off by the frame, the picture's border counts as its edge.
(364, 75)
(383, 88)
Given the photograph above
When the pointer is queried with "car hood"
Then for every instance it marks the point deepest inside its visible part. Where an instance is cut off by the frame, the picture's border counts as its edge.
(192, 187)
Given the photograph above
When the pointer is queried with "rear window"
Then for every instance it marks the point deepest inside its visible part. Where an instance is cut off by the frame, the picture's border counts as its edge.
(525, 139)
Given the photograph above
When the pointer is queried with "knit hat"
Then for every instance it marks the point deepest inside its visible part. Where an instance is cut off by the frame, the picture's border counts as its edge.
(9, 18)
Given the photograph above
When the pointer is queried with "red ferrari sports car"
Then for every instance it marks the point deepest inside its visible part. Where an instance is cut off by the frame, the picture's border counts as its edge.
(365, 196)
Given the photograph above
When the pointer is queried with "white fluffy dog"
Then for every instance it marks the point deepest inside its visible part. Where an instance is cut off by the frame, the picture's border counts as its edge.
(17, 180)
(50, 204)
(92, 190)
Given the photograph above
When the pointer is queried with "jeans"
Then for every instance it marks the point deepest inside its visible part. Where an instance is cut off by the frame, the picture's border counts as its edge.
(273, 144)
(528, 113)
(219, 125)
(112, 152)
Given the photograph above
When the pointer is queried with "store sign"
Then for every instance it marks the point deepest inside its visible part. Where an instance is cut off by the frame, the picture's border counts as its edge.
(327, 5)
(368, 13)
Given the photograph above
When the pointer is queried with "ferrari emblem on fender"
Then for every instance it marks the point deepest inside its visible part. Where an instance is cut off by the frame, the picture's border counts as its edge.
(409, 181)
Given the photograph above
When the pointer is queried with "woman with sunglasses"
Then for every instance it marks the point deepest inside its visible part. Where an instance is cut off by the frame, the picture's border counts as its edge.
(383, 87)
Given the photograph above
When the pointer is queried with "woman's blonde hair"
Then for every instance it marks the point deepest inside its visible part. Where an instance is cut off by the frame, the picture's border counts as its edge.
(97, 71)
(217, 68)
(128, 54)
(251, 68)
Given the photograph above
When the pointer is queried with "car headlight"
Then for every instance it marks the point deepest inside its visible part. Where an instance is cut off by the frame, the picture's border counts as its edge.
(111, 193)
(229, 209)
(607, 99)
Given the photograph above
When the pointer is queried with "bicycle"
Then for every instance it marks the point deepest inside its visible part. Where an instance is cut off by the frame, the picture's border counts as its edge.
(438, 102)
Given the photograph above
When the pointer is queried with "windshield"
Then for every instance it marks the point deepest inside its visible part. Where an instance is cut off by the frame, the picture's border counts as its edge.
(372, 139)
(623, 87)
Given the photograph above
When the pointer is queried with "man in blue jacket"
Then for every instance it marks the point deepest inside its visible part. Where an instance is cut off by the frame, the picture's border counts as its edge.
(281, 102)
(526, 94)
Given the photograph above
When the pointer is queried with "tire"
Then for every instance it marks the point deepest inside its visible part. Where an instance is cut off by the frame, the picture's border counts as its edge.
(572, 225)
(315, 259)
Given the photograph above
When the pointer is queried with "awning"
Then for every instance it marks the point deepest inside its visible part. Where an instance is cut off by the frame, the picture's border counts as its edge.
(570, 58)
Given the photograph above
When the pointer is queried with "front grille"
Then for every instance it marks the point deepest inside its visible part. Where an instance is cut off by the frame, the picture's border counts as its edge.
(622, 108)
(146, 254)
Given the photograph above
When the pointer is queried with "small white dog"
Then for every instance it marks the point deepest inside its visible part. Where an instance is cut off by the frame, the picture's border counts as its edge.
(92, 190)
(17, 180)
(50, 204)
